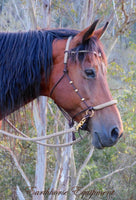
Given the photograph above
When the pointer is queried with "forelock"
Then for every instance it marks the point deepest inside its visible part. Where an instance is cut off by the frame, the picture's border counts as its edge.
(93, 45)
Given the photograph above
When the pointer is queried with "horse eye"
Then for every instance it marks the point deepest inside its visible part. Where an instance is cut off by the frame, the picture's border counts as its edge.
(90, 73)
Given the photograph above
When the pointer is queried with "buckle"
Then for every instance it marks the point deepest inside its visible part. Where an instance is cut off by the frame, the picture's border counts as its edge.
(81, 123)
(90, 113)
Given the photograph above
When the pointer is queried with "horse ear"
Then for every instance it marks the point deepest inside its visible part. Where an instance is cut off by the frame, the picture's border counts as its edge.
(87, 33)
(98, 33)
(84, 35)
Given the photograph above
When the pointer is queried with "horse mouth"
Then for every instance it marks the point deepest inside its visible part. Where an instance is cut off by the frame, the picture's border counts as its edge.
(97, 141)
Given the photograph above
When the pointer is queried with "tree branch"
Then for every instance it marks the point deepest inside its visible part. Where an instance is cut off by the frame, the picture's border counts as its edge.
(19, 193)
(55, 118)
(124, 11)
(106, 176)
(17, 165)
(84, 164)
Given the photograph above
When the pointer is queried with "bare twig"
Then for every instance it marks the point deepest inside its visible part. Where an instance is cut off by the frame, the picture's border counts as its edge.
(19, 193)
(55, 118)
(84, 164)
(16, 129)
(106, 176)
(17, 165)
(124, 11)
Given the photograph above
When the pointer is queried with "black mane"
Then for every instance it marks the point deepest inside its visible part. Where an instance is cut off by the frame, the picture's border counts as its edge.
(22, 57)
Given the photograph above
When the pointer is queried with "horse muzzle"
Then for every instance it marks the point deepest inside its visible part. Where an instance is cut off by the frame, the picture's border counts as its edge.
(104, 139)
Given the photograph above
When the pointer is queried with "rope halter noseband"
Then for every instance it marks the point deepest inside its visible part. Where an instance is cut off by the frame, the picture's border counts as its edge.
(89, 110)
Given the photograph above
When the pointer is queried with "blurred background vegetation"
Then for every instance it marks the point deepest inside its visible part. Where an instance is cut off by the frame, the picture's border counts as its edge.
(120, 46)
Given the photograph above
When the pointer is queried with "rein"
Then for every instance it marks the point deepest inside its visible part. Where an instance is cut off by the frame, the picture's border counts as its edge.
(89, 110)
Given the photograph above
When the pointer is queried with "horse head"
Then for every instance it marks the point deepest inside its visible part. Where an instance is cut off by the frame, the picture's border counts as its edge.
(78, 85)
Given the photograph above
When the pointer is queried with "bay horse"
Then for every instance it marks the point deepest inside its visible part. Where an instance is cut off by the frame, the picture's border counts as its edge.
(67, 65)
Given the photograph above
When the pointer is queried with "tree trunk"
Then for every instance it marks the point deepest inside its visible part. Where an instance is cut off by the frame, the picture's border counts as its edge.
(32, 22)
(87, 16)
(40, 116)
(65, 167)
(46, 5)
(73, 174)
(40, 110)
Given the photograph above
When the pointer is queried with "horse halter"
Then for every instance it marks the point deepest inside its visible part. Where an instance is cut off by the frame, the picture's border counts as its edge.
(89, 110)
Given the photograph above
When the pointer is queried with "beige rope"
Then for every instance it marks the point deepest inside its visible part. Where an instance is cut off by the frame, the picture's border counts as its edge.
(109, 103)
(45, 137)
(26, 138)
(65, 144)
(37, 138)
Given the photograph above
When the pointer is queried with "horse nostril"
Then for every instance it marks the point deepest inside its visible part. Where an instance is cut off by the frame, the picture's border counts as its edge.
(114, 134)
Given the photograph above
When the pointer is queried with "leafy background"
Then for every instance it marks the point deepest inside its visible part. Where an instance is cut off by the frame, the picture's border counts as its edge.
(122, 80)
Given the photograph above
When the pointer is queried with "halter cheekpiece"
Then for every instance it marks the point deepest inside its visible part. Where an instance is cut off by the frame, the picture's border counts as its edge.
(89, 110)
